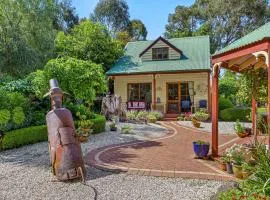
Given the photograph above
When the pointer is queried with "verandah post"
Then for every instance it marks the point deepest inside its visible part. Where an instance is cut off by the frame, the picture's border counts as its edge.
(215, 109)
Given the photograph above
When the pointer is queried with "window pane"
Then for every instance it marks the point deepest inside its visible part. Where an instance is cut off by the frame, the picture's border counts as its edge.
(133, 92)
(160, 53)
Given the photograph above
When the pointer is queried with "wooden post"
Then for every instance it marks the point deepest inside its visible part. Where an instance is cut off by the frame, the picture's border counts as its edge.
(154, 92)
(209, 95)
(268, 99)
(215, 110)
(254, 110)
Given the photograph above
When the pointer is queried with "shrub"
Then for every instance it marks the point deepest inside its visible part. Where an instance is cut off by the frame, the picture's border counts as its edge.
(126, 129)
(131, 115)
(38, 118)
(157, 114)
(141, 115)
(151, 118)
(99, 123)
(4, 116)
(224, 103)
(18, 115)
(20, 137)
(232, 114)
(201, 116)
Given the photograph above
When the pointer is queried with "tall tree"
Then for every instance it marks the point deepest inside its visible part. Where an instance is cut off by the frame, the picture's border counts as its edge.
(137, 30)
(224, 21)
(26, 35)
(89, 41)
(114, 14)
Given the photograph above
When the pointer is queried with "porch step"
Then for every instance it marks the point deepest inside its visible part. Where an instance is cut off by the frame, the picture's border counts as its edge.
(170, 117)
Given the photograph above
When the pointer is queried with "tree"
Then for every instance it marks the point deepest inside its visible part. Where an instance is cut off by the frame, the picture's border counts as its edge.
(228, 86)
(137, 30)
(26, 35)
(114, 14)
(81, 79)
(90, 42)
(67, 17)
(224, 21)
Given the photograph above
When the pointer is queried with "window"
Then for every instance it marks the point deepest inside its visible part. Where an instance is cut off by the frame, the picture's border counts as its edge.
(140, 92)
(160, 53)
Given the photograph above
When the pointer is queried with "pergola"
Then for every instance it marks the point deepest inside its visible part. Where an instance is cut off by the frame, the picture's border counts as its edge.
(251, 51)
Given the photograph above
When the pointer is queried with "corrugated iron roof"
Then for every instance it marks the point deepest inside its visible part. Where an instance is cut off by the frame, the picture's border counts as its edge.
(257, 35)
(195, 56)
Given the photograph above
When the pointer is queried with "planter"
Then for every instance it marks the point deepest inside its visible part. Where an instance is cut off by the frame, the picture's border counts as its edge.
(242, 135)
(113, 129)
(222, 166)
(83, 138)
(229, 168)
(237, 170)
(201, 150)
(248, 131)
(245, 174)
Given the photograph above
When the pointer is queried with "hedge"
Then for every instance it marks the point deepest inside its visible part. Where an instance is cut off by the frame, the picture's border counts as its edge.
(224, 103)
(232, 114)
(24, 136)
(99, 124)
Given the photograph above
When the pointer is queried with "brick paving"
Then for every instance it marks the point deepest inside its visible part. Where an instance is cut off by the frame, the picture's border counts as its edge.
(169, 156)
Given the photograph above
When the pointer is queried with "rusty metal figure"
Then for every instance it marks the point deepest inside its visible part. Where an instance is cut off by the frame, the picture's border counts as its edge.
(65, 150)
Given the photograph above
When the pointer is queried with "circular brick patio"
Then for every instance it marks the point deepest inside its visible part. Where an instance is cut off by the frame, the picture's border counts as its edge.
(169, 156)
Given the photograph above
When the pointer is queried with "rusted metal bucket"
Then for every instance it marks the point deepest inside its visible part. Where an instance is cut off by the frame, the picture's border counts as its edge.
(65, 150)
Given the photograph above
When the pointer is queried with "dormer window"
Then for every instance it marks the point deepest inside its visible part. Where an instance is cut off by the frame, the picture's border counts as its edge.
(160, 53)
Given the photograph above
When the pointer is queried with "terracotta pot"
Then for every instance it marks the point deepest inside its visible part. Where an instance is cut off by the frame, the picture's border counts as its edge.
(237, 170)
(83, 138)
(222, 166)
(241, 135)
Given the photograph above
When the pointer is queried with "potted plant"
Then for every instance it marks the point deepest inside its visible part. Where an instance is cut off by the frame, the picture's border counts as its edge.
(113, 126)
(223, 162)
(195, 122)
(247, 170)
(239, 130)
(238, 158)
(201, 148)
(84, 130)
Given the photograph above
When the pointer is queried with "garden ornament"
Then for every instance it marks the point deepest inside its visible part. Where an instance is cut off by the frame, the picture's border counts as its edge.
(65, 150)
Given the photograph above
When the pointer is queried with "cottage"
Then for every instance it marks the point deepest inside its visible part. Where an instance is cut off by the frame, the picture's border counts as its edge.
(172, 76)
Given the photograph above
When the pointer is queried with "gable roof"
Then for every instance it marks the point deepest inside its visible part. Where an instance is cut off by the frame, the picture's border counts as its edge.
(163, 40)
(195, 57)
(257, 35)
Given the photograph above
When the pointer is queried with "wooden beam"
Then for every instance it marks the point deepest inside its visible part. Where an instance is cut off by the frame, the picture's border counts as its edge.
(216, 70)
(209, 93)
(268, 99)
(260, 64)
(248, 62)
(260, 46)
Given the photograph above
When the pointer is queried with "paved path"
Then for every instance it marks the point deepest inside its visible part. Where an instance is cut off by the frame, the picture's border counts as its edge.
(169, 156)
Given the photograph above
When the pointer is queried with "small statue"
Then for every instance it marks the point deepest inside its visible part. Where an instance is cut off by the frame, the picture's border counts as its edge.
(65, 150)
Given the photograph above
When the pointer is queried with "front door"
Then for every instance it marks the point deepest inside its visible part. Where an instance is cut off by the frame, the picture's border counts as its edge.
(173, 100)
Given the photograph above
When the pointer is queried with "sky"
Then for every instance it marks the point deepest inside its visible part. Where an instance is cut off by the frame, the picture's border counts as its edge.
(153, 13)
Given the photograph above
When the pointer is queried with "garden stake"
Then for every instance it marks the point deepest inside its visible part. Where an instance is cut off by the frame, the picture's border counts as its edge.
(65, 149)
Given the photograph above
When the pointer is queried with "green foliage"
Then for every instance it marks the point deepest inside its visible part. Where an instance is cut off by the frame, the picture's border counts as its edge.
(137, 30)
(151, 118)
(99, 123)
(18, 115)
(232, 114)
(114, 14)
(126, 129)
(81, 79)
(20, 137)
(157, 114)
(205, 17)
(27, 35)
(4, 116)
(132, 115)
(201, 115)
(142, 115)
(90, 42)
(22, 86)
(228, 85)
(38, 118)
(201, 142)
(238, 127)
(224, 103)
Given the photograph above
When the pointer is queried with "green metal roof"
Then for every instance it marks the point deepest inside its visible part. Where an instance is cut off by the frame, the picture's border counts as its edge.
(255, 36)
(196, 56)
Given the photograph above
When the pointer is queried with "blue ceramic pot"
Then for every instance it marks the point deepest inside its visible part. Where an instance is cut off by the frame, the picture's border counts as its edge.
(201, 150)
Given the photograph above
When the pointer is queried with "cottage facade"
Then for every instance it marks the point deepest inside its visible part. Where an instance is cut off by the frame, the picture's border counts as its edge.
(171, 76)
